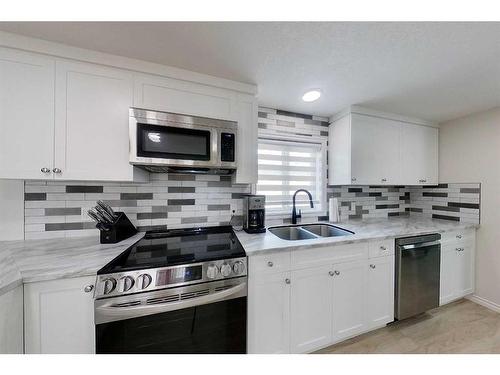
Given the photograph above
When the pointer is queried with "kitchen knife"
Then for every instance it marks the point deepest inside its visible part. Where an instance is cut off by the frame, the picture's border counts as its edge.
(93, 216)
(99, 216)
(107, 217)
(106, 207)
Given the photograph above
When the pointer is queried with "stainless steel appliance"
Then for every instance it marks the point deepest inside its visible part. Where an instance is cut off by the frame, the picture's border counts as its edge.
(176, 291)
(418, 262)
(254, 213)
(170, 142)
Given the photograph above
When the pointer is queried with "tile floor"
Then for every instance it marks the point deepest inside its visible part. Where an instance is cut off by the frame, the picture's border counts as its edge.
(460, 327)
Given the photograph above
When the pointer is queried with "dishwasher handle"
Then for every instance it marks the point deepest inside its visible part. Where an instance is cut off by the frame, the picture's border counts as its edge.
(419, 245)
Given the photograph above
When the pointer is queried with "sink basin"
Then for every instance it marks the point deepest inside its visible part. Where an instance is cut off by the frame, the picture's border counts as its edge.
(291, 233)
(308, 232)
(326, 230)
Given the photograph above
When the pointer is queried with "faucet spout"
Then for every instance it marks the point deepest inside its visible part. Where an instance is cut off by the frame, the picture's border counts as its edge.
(296, 216)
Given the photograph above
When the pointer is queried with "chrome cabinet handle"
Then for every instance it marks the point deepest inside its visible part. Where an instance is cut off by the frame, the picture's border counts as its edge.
(331, 273)
(383, 248)
(56, 170)
(287, 281)
(384, 180)
(372, 266)
(337, 273)
(459, 236)
(459, 249)
(353, 179)
(270, 264)
(45, 170)
(423, 180)
(88, 288)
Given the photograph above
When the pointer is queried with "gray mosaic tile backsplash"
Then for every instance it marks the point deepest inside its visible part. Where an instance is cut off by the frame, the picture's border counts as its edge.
(58, 209)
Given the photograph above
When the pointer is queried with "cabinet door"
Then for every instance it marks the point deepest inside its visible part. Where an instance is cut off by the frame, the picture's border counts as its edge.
(246, 146)
(349, 290)
(419, 155)
(375, 150)
(26, 115)
(59, 316)
(92, 112)
(465, 270)
(11, 322)
(269, 314)
(380, 288)
(448, 274)
(311, 309)
(172, 95)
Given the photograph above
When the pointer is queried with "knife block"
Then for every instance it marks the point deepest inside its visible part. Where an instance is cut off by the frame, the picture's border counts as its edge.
(120, 230)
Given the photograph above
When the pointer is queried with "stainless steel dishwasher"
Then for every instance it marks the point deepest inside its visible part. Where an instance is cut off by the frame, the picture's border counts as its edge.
(418, 264)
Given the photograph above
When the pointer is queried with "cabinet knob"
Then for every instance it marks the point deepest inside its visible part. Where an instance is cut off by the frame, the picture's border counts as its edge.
(384, 180)
(372, 266)
(331, 273)
(383, 248)
(353, 179)
(337, 273)
(459, 236)
(56, 170)
(422, 180)
(45, 170)
(287, 281)
(270, 264)
(88, 288)
(459, 249)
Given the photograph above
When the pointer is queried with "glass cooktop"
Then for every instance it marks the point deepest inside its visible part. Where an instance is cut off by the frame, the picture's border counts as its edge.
(176, 247)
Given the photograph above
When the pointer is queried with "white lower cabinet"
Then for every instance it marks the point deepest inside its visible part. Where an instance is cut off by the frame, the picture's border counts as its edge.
(11, 322)
(457, 270)
(59, 316)
(311, 307)
(380, 300)
(269, 313)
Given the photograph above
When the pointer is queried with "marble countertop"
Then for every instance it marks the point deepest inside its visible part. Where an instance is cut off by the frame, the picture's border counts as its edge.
(41, 260)
(364, 230)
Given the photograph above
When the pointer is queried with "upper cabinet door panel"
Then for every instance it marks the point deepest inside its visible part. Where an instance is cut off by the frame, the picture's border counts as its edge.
(26, 115)
(375, 150)
(419, 154)
(247, 140)
(171, 95)
(92, 110)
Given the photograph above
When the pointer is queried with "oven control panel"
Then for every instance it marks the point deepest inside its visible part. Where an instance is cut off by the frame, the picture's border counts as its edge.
(116, 284)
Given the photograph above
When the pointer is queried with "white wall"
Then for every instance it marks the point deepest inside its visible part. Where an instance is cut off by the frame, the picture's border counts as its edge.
(469, 151)
(11, 210)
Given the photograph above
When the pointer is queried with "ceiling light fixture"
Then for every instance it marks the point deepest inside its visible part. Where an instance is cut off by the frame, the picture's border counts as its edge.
(311, 96)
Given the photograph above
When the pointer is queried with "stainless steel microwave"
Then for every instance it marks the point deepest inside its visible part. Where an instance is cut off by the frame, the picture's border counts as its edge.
(171, 142)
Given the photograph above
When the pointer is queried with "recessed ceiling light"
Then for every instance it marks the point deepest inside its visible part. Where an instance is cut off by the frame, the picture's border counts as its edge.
(311, 96)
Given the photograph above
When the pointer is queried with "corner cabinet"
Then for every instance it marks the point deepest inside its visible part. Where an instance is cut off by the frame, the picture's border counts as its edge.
(371, 149)
(326, 295)
(59, 316)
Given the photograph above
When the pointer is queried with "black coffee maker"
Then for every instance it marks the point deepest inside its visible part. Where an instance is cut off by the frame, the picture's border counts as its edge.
(254, 213)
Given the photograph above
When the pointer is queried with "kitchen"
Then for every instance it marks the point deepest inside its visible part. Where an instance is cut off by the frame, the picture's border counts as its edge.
(153, 208)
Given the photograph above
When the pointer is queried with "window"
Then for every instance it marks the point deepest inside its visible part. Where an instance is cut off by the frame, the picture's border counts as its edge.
(285, 166)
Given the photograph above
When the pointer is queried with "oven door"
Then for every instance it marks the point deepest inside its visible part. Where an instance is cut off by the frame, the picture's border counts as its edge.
(173, 144)
(208, 318)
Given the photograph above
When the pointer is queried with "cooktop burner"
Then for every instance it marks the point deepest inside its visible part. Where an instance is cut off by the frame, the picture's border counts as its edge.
(177, 247)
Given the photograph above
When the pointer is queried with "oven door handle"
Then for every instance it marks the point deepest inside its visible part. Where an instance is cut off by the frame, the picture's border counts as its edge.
(109, 312)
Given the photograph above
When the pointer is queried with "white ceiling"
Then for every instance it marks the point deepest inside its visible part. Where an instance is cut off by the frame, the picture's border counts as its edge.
(435, 71)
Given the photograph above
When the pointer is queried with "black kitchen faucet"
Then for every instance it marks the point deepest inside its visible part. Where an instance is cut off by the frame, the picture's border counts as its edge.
(296, 216)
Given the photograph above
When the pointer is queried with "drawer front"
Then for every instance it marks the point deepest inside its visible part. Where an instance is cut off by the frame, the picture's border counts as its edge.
(460, 236)
(328, 255)
(381, 248)
(270, 263)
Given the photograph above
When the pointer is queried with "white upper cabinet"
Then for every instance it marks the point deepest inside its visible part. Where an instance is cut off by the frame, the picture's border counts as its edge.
(246, 146)
(370, 149)
(26, 115)
(172, 95)
(374, 150)
(419, 155)
(92, 132)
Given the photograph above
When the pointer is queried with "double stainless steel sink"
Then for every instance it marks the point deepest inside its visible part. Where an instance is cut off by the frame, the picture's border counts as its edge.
(308, 231)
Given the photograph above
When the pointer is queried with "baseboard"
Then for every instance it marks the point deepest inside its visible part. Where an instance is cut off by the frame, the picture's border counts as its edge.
(484, 302)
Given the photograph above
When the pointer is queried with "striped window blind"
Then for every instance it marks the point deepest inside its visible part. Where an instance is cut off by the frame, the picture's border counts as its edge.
(284, 167)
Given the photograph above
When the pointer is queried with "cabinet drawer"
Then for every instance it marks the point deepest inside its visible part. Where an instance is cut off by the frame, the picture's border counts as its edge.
(270, 263)
(460, 236)
(381, 248)
(328, 254)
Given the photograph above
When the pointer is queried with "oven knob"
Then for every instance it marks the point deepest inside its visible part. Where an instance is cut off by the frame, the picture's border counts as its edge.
(143, 281)
(125, 284)
(108, 285)
(225, 269)
(238, 267)
(212, 271)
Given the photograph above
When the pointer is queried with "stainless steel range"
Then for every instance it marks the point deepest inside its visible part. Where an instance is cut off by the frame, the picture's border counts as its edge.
(176, 291)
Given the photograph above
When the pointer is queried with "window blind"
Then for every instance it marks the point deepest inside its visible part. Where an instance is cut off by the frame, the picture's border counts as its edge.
(284, 167)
